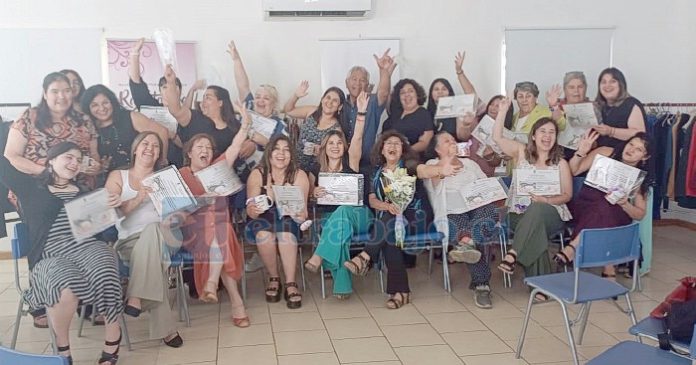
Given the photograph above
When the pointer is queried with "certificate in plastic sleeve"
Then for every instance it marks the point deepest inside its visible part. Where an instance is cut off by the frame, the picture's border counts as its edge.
(483, 191)
(579, 118)
(90, 214)
(161, 116)
(219, 179)
(262, 125)
(607, 175)
(169, 191)
(341, 189)
(537, 181)
(289, 199)
(484, 134)
(455, 106)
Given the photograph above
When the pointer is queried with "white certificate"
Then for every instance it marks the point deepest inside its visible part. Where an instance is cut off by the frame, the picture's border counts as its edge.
(262, 125)
(288, 199)
(579, 118)
(537, 181)
(160, 115)
(341, 189)
(169, 191)
(481, 192)
(90, 214)
(607, 174)
(219, 179)
(484, 134)
(455, 106)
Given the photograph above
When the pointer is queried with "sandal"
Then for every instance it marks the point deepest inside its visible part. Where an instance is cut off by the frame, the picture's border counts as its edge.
(292, 304)
(63, 349)
(209, 296)
(110, 358)
(175, 341)
(540, 298)
(241, 322)
(562, 259)
(354, 268)
(311, 267)
(508, 267)
(41, 321)
(275, 296)
(396, 303)
(342, 296)
(132, 310)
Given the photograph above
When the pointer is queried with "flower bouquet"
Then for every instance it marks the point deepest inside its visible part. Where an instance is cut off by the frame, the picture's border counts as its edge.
(399, 188)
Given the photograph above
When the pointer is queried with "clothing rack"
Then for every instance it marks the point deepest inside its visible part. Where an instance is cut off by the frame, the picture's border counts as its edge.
(675, 105)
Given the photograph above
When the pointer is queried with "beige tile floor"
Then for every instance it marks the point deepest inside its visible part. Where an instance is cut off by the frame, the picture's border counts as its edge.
(437, 328)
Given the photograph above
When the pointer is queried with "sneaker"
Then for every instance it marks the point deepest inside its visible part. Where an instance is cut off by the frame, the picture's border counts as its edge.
(482, 296)
(253, 264)
(465, 253)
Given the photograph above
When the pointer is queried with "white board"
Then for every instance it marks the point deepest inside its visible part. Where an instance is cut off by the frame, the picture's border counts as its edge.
(31, 54)
(338, 56)
(543, 56)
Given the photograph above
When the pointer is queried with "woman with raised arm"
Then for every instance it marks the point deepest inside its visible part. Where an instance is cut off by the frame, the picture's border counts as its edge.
(592, 209)
(530, 111)
(208, 232)
(142, 243)
(53, 121)
(63, 270)
(272, 232)
(534, 217)
(319, 120)
(117, 127)
(392, 151)
(622, 115)
(339, 223)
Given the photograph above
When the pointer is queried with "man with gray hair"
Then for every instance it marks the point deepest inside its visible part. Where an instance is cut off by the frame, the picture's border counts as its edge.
(358, 80)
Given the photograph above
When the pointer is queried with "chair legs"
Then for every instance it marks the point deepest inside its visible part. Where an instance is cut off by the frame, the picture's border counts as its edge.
(83, 314)
(502, 238)
(181, 296)
(52, 334)
(124, 330)
(585, 314)
(16, 325)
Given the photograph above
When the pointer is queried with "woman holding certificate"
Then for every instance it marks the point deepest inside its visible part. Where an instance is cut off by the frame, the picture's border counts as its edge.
(142, 244)
(275, 233)
(596, 209)
(63, 270)
(340, 222)
(208, 232)
(392, 152)
(622, 115)
(541, 186)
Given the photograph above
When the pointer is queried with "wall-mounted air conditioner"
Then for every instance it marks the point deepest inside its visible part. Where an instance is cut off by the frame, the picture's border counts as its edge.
(307, 9)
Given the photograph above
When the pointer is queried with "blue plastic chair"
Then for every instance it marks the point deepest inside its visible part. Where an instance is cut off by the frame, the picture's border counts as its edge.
(597, 248)
(635, 353)
(651, 327)
(8, 356)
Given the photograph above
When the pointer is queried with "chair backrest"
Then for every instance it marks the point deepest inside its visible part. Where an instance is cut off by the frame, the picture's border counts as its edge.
(8, 356)
(20, 241)
(608, 246)
(692, 348)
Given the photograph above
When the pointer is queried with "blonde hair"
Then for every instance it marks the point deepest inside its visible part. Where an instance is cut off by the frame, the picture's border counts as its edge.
(273, 92)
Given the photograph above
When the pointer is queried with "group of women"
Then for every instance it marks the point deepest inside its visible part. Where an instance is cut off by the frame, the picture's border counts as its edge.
(77, 140)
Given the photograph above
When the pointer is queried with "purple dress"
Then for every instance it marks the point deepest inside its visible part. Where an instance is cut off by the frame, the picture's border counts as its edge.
(591, 210)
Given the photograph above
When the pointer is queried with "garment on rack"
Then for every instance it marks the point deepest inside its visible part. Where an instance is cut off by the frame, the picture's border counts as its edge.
(687, 152)
(691, 164)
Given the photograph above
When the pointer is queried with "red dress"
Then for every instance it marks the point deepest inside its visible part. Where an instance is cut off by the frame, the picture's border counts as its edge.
(202, 226)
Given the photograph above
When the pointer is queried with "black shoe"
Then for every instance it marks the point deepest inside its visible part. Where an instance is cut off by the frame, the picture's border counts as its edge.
(111, 358)
(65, 348)
(132, 311)
(275, 296)
(175, 342)
(292, 304)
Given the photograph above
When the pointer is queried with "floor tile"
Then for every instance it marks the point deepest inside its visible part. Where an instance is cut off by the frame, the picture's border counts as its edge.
(309, 359)
(364, 350)
(542, 350)
(476, 343)
(296, 321)
(455, 322)
(412, 335)
(352, 328)
(256, 334)
(437, 354)
(252, 355)
(205, 350)
(497, 359)
(407, 314)
(303, 342)
(439, 304)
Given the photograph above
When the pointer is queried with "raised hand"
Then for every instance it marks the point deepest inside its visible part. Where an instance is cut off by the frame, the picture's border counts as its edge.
(199, 84)
(459, 61)
(385, 62)
(135, 50)
(504, 105)
(553, 95)
(169, 74)
(232, 50)
(302, 89)
(587, 141)
(362, 101)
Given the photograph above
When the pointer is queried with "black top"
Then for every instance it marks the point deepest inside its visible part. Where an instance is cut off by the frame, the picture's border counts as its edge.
(412, 125)
(617, 117)
(345, 164)
(115, 140)
(201, 124)
(141, 94)
(40, 207)
(448, 125)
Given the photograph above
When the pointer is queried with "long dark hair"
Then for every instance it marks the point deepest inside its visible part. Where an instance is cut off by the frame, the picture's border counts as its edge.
(645, 165)
(99, 89)
(227, 110)
(48, 175)
(508, 116)
(265, 165)
(395, 107)
(617, 75)
(432, 104)
(78, 97)
(408, 155)
(530, 152)
(44, 121)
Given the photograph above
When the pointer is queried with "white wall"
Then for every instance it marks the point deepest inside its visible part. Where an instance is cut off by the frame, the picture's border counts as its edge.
(654, 40)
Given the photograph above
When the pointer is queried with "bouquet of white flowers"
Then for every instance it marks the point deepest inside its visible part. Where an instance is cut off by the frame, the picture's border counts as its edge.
(399, 188)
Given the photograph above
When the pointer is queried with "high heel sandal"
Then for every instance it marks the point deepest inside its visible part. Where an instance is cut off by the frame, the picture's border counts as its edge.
(562, 259)
(241, 322)
(210, 296)
(355, 269)
(63, 349)
(111, 358)
(132, 311)
(394, 303)
(275, 297)
(311, 267)
(292, 304)
(508, 267)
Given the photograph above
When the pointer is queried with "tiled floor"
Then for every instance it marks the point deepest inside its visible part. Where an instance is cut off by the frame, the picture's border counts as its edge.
(437, 328)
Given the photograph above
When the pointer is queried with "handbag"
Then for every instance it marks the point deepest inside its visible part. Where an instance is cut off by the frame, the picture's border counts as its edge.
(686, 291)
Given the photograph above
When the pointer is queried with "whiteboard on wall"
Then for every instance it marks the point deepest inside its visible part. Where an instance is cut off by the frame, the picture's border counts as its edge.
(338, 56)
(543, 56)
(31, 54)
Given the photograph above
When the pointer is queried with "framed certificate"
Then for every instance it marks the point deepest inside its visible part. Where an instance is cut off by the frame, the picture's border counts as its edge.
(90, 214)
(169, 191)
(160, 115)
(289, 199)
(607, 175)
(219, 179)
(455, 106)
(341, 189)
(537, 181)
(483, 191)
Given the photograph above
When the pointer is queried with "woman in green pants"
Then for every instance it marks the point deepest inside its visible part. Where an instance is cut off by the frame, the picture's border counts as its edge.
(339, 223)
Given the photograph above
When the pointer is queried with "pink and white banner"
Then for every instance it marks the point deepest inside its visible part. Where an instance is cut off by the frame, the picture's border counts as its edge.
(150, 67)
